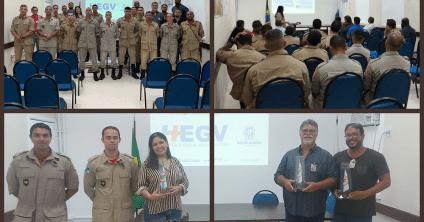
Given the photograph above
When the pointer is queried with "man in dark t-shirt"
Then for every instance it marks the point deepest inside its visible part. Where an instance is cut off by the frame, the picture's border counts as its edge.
(369, 175)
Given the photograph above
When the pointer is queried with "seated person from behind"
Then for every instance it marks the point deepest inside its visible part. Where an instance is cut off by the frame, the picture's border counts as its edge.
(311, 49)
(257, 26)
(407, 30)
(370, 26)
(347, 24)
(290, 39)
(357, 25)
(277, 64)
(338, 19)
(357, 39)
(260, 44)
(239, 28)
(388, 60)
(391, 27)
(316, 24)
(279, 25)
(326, 71)
(334, 30)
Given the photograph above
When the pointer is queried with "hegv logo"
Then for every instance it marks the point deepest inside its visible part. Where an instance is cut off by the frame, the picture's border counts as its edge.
(188, 133)
(104, 6)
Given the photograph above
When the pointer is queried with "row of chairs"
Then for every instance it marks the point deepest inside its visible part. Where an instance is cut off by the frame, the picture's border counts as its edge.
(343, 92)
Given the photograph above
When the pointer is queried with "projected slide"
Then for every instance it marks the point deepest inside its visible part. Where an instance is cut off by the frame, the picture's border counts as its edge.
(295, 6)
(188, 136)
(116, 7)
(241, 139)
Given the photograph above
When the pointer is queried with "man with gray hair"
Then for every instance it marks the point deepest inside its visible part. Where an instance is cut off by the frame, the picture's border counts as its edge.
(320, 174)
(388, 60)
(278, 64)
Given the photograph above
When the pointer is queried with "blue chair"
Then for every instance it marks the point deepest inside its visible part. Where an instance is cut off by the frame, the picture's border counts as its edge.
(42, 92)
(22, 70)
(373, 42)
(265, 197)
(413, 60)
(406, 50)
(264, 52)
(60, 71)
(312, 63)
(361, 59)
(14, 106)
(181, 92)
(366, 37)
(206, 73)
(205, 101)
(412, 39)
(12, 90)
(191, 67)
(72, 59)
(291, 48)
(394, 83)
(280, 93)
(329, 53)
(158, 73)
(382, 47)
(344, 91)
(415, 74)
(384, 103)
(331, 202)
(41, 58)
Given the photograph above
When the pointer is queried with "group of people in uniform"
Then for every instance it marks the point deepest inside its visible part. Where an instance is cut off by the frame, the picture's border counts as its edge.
(249, 69)
(143, 35)
(43, 180)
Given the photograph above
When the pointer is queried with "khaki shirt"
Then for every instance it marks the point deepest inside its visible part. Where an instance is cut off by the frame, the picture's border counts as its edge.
(278, 64)
(138, 20)
(135, 17)
(98, 17)
(128, 31)
(170, 36)
(290, 40)
(259, 45)
(41, 187)
(21, 26)
(78, 19)
(358, 48)
(192, 35)
(279, 16)
(256, 38)
(325, 42)
(148, 35)
(305, 36)
(70, 35)
(111, 187)
(376, 68)
(309, 51)
(238, 62)
(62, 18)
(48, 27)
(325, 72)
(88, 31)
(109, 34)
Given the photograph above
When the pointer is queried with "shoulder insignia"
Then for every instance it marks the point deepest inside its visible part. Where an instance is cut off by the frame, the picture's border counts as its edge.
(129, 156)
(18, 154)
(93, 158)
(61, 154)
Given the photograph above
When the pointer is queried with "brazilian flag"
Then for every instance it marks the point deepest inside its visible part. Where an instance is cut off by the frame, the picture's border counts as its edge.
(137, 200)
(267, 19)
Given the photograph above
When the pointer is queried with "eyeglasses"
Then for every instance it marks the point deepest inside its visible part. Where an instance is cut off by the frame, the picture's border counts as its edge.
(310, 131)
(352, 135)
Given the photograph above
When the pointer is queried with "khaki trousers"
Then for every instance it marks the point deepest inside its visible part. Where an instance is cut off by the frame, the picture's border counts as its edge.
(145, 55)
(83, 54)
(194, 54)
(131, 52)
(138, 52)
(171, 56)
(18, 52)
(103, 57)
(51, 50)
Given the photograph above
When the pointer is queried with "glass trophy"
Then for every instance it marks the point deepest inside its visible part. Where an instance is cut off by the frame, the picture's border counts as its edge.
(299, 173)
(345, 181)
(163, 189)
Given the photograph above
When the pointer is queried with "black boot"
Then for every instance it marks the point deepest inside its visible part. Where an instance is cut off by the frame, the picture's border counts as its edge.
(113, 74)
(133, 74)
(120, 72)
(143, 74)
(82, 77)
(98, 56)
(102, 74)
(137, 67)
(87, 57)
(95, 76)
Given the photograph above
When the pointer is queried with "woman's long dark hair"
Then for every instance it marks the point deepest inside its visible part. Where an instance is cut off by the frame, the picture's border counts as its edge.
(152, 159)
(280, 10)
(76, 10)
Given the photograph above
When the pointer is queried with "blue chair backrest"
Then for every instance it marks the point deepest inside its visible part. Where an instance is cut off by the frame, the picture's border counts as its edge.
(159, 69)
(11, 105)
(366, 37)
(41, 92)
(206, 100)
(406, 50)
(394, 83)
(276, 94)
(206, 72)
(331, 202)
(192, 68)
(181, 90)
(12, 90)
(23, 70)
(265, 197)
(41, 58)
(291, 48)
(382, 46)
(384, 103)
(70, 57)
(329, 53)
(361, 59)
(311, 64)
(373, 42)
(60, 71)
(343, 92)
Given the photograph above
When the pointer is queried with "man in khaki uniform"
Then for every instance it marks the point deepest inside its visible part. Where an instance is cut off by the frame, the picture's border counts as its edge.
(391, 27)
(278, 64)
(334, 30)
(22, 29)
(149, 33)
(134, 13)
(257, 26)
(170, 33)
(110, 180)
(357, 39)
(99, 18)
(127, 40)
(69, 34)
(290, 39)
(140, 18)
(311, 49)
(192, 32)
(62, 17)
(89, 28)
(55, 11)
(238, 62)
(316, 24)
(388, 60)
(42, 180)
(109, 32)
(326, 71)
(48, 28)
(260, 45)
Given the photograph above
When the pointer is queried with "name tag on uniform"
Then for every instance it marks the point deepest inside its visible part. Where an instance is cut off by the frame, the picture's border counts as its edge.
(145, 32)
(313, 167)
(352, 163)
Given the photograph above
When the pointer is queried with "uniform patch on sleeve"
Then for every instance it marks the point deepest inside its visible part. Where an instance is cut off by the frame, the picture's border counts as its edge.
(87, 170)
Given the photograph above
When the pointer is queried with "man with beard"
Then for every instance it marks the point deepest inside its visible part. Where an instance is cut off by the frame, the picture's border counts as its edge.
(192, 33)
(369, 173)
(164, 8)
(181, 7)
(320, 170)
